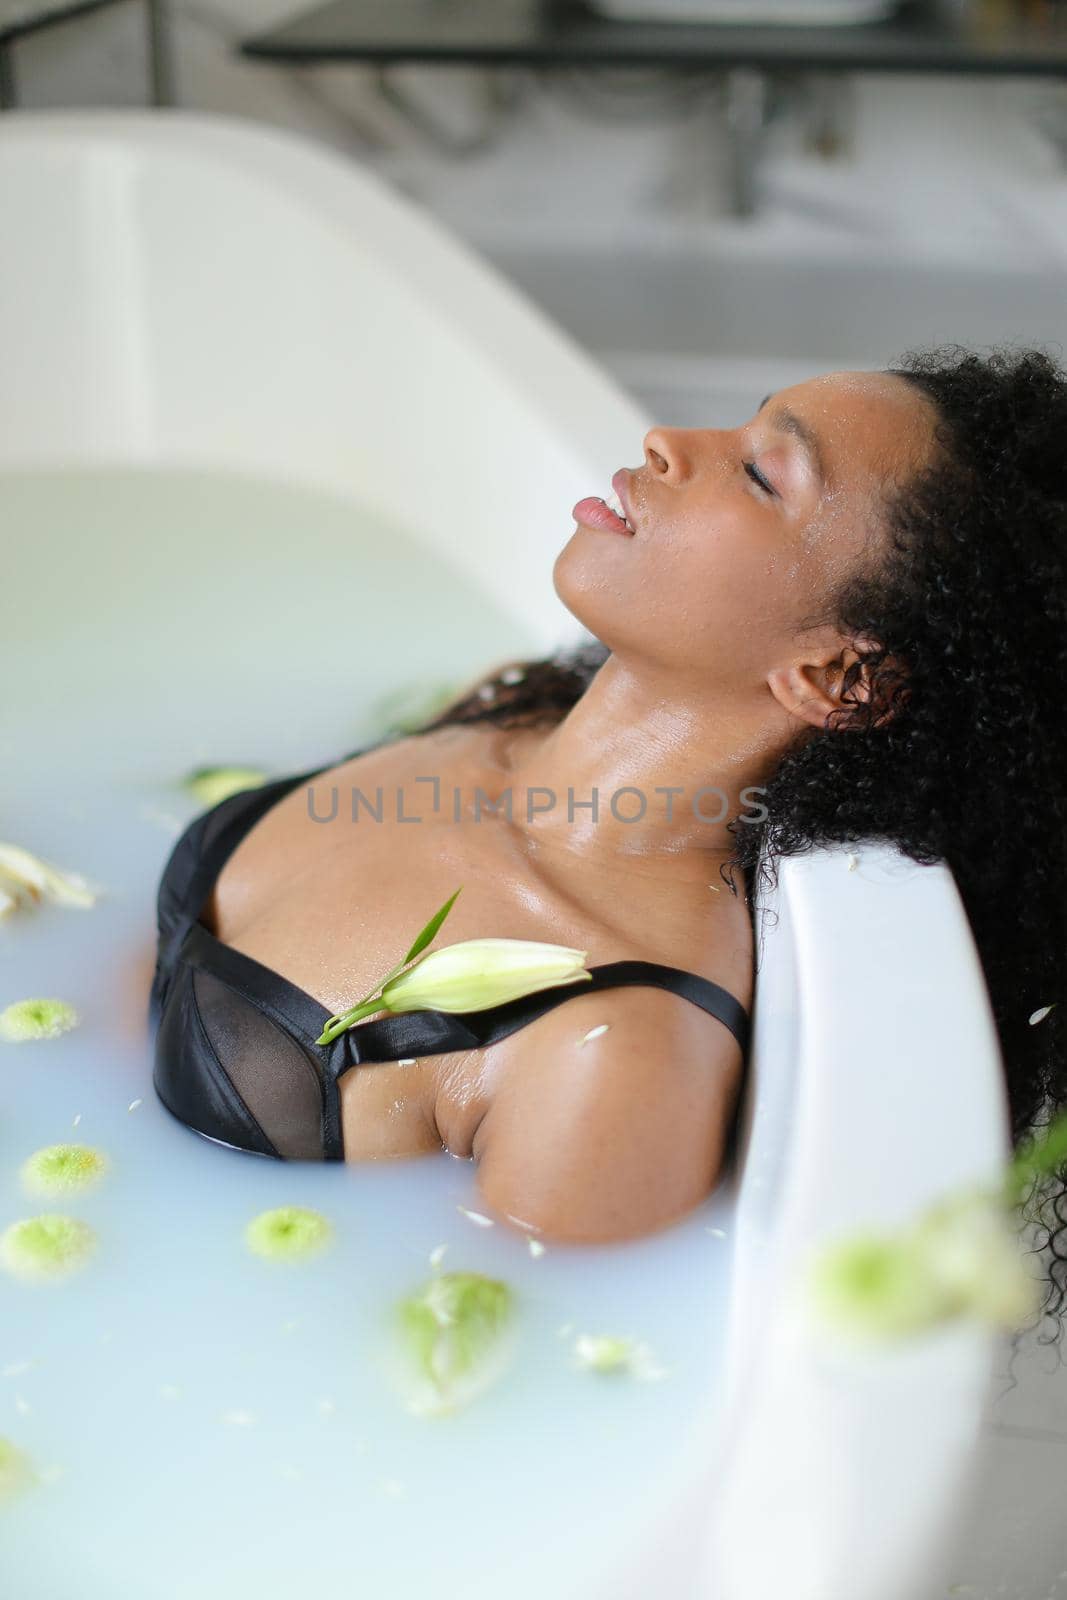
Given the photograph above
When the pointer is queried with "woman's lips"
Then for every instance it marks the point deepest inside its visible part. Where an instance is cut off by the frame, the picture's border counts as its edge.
(595, 514)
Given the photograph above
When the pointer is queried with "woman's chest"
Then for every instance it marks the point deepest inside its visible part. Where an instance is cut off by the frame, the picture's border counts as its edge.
(332, 885)
(330, 888)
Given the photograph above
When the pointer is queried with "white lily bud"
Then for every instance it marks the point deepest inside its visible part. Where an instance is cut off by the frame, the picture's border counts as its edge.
(23, 876)
(479, 973)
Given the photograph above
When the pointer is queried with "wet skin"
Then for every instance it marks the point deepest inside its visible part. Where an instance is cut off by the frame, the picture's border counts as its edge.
(723, 652)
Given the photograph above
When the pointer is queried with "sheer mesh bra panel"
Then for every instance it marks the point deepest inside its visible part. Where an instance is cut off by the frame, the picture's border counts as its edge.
(276, 1080)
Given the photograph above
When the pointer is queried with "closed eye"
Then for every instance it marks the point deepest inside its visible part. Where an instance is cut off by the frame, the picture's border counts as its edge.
(757, 477)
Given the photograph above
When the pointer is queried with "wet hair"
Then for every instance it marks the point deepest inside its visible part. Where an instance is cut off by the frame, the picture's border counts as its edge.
(954, 751)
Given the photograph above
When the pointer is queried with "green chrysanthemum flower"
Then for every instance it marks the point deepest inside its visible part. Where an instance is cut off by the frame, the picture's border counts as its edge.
(16, 1471)
(63, 1168)
(877, 1286)
(453, 1339)
(36, 1019)
(46, 1247)
(961, 1258)
(209, 786)
(288, 1233)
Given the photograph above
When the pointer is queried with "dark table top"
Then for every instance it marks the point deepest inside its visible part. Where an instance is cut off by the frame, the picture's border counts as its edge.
(19, 17)
(922, 37)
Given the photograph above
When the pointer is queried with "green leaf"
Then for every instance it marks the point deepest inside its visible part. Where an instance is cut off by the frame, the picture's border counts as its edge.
(371, 1002)
(429, 931)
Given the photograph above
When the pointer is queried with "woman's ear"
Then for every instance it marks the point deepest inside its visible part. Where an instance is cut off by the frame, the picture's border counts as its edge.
(807, 690)
(811, 690)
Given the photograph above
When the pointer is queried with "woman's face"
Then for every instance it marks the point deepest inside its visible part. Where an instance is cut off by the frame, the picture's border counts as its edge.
(743, 533)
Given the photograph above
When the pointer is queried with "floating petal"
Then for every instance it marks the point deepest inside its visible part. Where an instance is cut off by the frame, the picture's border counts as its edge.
(27, 876)
(454, 1340)
(16, 1471)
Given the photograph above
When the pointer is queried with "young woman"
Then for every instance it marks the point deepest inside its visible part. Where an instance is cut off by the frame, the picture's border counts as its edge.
(844, 619)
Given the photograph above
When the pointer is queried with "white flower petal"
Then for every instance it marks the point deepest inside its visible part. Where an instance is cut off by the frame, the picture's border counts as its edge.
(43, 879)
(476, 1216)
(594, 1033)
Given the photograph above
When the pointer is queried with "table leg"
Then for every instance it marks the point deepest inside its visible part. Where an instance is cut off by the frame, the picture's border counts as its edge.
(8, 91)
(160, 52)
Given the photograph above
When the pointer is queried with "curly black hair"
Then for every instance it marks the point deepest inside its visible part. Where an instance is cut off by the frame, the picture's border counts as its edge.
(954, 752)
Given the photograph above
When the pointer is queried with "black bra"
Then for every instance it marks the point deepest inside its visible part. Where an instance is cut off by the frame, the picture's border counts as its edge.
(235, 1057)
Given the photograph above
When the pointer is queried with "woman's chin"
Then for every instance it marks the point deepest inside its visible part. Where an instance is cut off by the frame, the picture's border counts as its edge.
(578, 577)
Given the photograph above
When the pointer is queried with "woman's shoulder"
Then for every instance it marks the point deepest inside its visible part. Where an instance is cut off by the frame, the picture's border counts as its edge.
(610, 1117)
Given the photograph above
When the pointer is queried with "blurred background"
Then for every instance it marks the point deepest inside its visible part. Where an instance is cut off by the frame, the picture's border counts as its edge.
(712, 209)
(716, 198)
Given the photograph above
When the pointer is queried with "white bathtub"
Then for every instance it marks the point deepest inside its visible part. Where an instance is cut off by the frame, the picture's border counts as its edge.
(178, 290)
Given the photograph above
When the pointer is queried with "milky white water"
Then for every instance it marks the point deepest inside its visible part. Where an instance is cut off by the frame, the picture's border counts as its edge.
(209, 1424)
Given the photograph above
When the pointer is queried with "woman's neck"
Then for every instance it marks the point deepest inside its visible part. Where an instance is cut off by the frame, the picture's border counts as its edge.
(630, 772)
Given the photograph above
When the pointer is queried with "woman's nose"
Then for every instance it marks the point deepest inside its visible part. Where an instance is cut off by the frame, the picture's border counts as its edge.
(668, 453)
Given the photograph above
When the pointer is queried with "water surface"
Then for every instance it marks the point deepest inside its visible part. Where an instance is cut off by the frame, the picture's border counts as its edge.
(208, 1424)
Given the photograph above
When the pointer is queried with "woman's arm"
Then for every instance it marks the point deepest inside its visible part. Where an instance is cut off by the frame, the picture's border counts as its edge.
(617, 1137)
